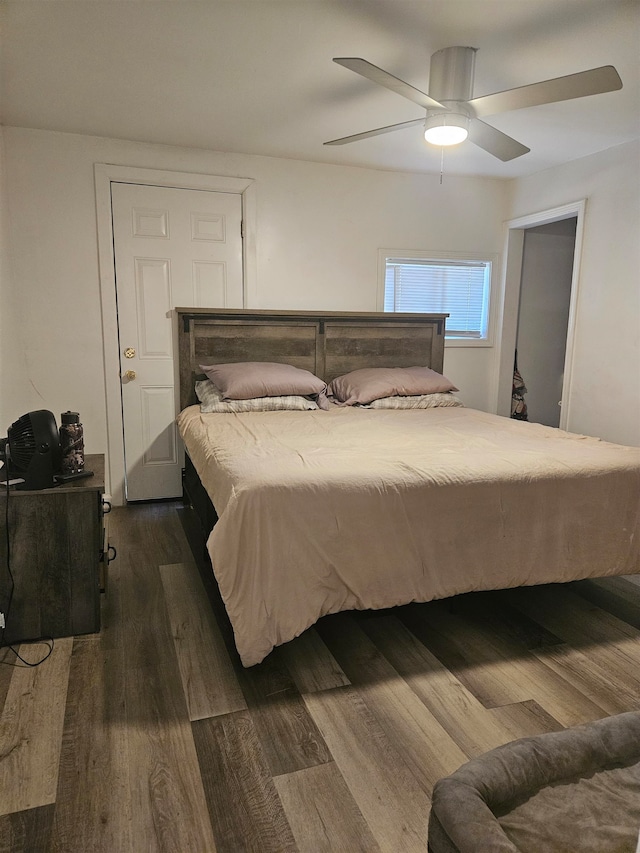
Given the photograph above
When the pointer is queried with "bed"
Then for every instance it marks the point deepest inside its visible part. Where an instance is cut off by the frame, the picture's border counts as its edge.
(315, 512)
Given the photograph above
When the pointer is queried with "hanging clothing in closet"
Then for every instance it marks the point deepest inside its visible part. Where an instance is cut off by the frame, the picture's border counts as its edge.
(519, 389)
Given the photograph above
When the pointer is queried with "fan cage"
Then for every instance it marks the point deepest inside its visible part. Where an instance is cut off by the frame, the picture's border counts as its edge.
(33, 433)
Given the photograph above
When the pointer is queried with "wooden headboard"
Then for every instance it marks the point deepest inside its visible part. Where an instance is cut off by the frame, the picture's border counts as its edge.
(326, 343)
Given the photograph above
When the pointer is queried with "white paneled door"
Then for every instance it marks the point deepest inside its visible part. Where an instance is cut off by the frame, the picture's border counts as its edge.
(172, 247)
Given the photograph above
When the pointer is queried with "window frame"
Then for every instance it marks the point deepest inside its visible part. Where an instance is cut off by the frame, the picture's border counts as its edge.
(452, 257)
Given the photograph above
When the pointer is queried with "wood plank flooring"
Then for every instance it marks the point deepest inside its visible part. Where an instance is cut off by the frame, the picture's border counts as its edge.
(151, 736)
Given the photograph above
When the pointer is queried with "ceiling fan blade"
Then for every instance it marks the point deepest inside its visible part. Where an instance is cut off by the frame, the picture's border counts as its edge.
(377, 132)
(383, 78)
(592, 82)
(495, 141)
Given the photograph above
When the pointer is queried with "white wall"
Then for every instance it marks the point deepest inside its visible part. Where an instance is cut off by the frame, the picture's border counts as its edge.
(319, 229)
(13, 374)
(605, 394)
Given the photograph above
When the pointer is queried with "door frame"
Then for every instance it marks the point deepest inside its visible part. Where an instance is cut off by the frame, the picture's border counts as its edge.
(104, 175)
(510, 303)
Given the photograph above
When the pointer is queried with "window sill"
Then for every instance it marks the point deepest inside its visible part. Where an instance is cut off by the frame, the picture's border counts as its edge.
(467, 342)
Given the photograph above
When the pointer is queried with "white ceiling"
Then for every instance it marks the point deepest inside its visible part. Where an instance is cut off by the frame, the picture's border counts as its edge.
(257, 77)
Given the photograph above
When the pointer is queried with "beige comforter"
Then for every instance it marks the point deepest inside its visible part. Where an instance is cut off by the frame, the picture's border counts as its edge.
(352, 508)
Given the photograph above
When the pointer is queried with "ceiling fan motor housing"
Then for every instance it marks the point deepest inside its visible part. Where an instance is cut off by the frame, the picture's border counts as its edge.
(451, 74)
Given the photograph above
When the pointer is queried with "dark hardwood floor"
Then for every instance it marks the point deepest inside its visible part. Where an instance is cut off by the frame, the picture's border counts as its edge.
(150, 736)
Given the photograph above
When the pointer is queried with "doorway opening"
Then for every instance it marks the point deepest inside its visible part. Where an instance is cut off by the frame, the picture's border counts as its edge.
(539, 309)
(543, 316)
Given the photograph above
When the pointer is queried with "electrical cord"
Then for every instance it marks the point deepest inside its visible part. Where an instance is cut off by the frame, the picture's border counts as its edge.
(8, 549)
(49, 641)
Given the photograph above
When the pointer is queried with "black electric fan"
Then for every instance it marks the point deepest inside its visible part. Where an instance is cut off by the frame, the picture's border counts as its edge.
(33, 442)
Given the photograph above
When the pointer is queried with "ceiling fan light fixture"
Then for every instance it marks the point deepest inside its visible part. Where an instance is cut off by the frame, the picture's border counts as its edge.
(445, 129)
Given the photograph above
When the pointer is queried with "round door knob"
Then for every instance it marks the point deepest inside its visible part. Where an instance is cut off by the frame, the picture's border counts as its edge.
(130, 374)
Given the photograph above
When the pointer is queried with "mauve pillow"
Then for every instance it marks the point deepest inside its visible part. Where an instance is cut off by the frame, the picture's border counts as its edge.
(372, 383)
(246, 379)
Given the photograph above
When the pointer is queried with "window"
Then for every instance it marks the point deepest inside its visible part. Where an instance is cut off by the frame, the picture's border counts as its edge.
(459, 287)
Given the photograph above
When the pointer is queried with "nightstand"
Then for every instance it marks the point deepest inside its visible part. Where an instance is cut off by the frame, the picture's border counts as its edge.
(58, 554)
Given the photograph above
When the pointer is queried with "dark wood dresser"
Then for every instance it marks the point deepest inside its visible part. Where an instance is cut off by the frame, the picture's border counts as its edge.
(58, 558)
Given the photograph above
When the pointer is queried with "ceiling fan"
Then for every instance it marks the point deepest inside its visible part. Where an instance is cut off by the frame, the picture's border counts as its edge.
(453, 114)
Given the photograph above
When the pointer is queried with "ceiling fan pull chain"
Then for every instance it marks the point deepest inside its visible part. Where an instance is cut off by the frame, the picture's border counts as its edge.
(441, 163)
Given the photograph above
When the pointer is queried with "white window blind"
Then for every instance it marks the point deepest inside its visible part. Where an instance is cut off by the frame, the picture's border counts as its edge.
(457, 287)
